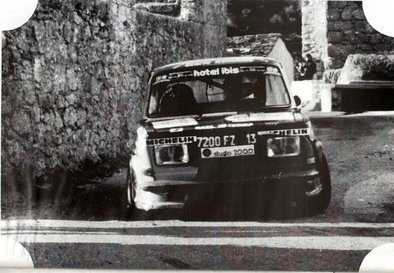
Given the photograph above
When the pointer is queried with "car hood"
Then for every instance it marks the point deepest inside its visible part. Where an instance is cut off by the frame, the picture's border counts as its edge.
(272, 119)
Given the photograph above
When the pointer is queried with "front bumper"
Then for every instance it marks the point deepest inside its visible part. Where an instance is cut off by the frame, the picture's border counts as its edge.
(163, 194)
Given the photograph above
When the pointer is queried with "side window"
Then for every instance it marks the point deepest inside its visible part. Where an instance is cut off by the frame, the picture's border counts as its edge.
(154, 99)
(276, 90)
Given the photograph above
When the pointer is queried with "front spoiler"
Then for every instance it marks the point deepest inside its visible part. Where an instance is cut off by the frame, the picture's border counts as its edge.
(154, 194)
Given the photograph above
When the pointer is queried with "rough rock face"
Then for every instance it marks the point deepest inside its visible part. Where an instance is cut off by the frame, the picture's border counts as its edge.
(349, 32)
(367, 67)
(74, 76)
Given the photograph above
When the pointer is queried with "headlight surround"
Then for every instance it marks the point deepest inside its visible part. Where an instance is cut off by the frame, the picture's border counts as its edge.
(283, 146)
(172, 154)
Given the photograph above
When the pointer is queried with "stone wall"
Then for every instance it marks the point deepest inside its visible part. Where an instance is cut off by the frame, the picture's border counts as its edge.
(74, 76)
(349, 32)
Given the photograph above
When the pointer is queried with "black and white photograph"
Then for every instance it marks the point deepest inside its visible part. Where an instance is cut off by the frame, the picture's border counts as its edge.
(229, 135)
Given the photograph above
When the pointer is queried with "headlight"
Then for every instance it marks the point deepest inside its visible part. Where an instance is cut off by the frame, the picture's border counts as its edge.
(171, 154)
(283, 146)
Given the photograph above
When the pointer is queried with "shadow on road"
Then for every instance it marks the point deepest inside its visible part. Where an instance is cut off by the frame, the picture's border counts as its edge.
(105, 199)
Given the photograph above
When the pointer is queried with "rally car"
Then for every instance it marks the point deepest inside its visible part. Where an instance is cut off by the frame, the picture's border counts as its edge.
(224, 130)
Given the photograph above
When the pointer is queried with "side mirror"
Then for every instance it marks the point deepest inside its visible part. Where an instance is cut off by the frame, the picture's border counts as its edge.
(297, 100)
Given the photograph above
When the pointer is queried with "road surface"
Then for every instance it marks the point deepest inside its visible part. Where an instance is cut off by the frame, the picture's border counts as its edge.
(90, 228)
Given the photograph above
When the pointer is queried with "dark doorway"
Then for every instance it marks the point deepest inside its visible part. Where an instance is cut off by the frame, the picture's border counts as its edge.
(249, 17)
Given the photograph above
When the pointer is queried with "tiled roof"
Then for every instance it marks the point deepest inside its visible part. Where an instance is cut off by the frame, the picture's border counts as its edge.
(259, 44)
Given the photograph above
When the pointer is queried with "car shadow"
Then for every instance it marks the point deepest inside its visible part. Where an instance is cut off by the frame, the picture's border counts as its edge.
(105, 199)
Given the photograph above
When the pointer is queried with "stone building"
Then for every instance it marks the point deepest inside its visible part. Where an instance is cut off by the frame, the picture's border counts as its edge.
(334, 30)
(266, 45)
(331, 30)
(74, 76)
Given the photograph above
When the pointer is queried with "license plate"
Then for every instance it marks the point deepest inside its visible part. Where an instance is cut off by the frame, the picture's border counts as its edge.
(232, 151)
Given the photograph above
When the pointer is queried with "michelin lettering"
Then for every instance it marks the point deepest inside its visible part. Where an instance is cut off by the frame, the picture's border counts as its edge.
(289, 132)
(170, 140)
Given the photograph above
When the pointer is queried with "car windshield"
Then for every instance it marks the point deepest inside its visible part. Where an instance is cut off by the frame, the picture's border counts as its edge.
(222, 89)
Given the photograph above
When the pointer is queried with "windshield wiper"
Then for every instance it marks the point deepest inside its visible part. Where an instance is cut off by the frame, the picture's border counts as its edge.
(219, 114)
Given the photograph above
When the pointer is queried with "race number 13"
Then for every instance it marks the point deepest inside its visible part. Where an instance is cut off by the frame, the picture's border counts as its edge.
(251, 138)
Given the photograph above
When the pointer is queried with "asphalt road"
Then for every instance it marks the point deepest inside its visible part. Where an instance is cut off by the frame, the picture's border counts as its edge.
(360, 152)
(90, 228)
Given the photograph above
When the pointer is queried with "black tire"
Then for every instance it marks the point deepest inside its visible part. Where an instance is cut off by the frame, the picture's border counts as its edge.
(130, 189)
(318, 204)
(133, 213)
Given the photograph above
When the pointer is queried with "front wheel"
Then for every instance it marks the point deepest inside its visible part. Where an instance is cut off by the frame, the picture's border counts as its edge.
(130, 189)
(133, 212)
(319, 203)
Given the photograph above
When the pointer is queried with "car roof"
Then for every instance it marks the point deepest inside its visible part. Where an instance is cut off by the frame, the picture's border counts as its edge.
(250, 60)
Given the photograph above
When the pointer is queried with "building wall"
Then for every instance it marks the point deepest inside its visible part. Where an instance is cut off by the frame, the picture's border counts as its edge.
(265, 45)
(281, 53)
(74, 76)
(314, 29)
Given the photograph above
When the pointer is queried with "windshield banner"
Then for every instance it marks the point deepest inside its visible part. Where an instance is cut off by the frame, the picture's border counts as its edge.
(217, 71)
